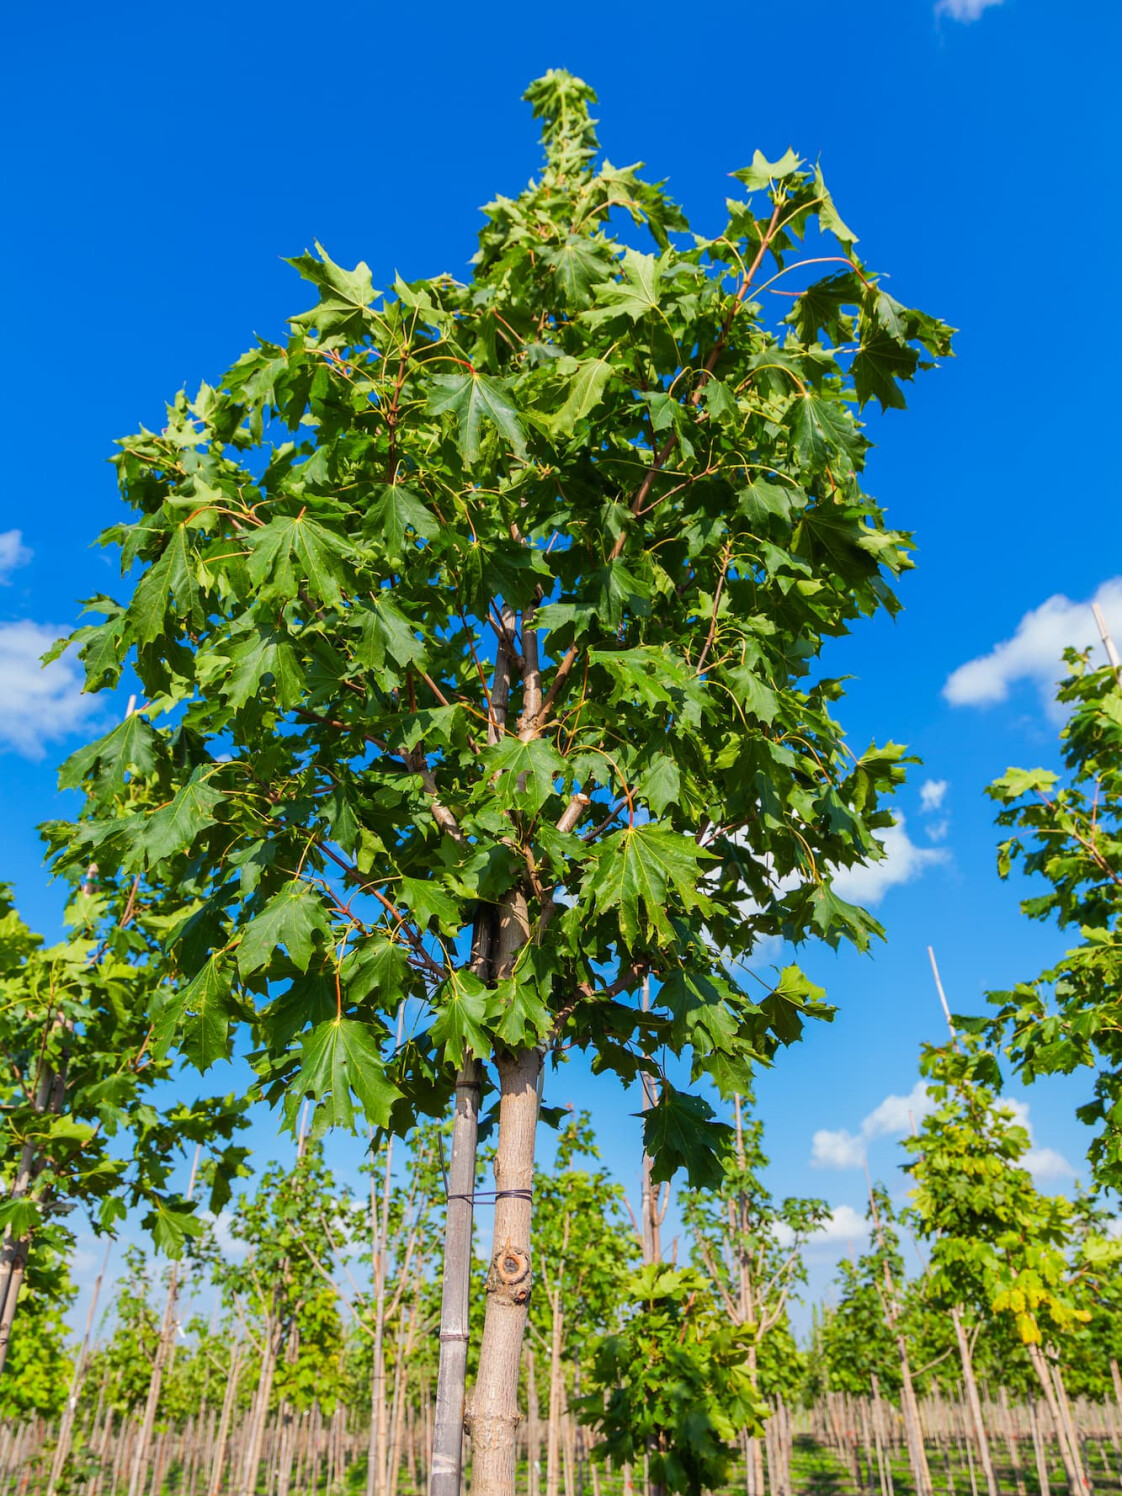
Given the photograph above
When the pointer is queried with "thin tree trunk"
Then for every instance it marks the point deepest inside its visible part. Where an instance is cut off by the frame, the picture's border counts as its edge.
(533, 1429)
(451, 1376)
(1069, 1457)
(494, 1411)
(1011, 1443)
(380, 1229)
(66, 1425)
(556, 1393)
(229, 1397)
(981, 1439)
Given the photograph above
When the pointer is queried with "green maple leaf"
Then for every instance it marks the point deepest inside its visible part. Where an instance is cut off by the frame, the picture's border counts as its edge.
(461, 1016)
(129, 749)
(519, 1014)
(584, 392)
(643, 868)
(201, 1011)
(173, 574)
(821, 427)
(293, 549)
(660, 784)
(292, 918)
(175, 826)
(427, 900)
(526, 772)
(171, 1224)
(472, 399)
(576, 266)
(340, 1056)
(879, 363)
(263, 658)
(391, 515)
(634, 295)
(679, 1132)
(763, 172)
(344, 295)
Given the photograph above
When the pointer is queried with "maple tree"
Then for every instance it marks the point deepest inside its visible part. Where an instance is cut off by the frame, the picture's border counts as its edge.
(1067, 831)
(88, 1124)
(998, 1246)
(479, 628)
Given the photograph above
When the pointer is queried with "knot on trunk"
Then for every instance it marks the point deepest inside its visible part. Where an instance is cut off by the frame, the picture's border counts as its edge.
(510, 1278)
(491, 1424)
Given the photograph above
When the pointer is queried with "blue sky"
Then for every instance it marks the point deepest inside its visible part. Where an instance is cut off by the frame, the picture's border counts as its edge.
(161, 162)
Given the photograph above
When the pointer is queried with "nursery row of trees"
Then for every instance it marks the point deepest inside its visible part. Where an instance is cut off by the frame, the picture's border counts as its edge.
(299, 1341)
(477, 631)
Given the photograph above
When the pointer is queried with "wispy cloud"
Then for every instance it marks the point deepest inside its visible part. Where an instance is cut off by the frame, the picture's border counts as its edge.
(13, 553)
(38, 704)
(964, 10)
(1042, 1163)
(932, 793)
(1035, 652)
(902, 862)
(842, 1149)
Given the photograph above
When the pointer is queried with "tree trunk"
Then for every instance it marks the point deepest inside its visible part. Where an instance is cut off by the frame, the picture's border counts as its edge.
(1011, 1443)
(556, 1394)
(229, 1397)
(138, 1468)
(913, 1424)
(494, 1412)
(379, 1224)
(533, 1433)
(270, 1354)
(13, 1254)
(451, 1376)
(66, 1426)
(981, 1439)
(1069, 1457)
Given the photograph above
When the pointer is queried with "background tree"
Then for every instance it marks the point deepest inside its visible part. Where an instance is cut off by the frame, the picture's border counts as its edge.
(584, 1249)
(40, 1360)
(997, 1245)
(81, 1088)
(672, 1385)
(292, 1223)
(751, 1249)
(469, 593)
(1069, 834)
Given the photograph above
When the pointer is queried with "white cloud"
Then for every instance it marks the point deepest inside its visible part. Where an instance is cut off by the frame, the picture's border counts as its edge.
(1035, 652)
(845, 1224)
(37, 703)
(233, 1248)
(963, 10)
(937, 830)
(1046, 1163)
(932, 793)
(1042, 1163)
(13, 553)
(903, 861)
(836, 1150)
(891, 1118)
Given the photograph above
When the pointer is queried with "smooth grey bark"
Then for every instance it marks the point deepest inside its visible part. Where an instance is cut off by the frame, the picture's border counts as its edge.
(451, 1376)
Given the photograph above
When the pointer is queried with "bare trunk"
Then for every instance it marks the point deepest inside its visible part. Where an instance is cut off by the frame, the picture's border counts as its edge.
(533, 1432)
(494, 1412)
(376, 1464)
(981, 1438)
(556, 1395)
(913, 1424)
(1011, 1444)
(13, 1254)
(66, 1426)
(270, 1354)
(229, 1397)
(451, 1376)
